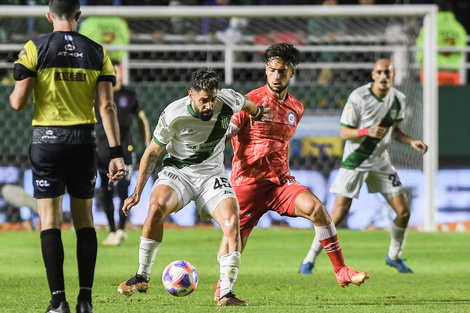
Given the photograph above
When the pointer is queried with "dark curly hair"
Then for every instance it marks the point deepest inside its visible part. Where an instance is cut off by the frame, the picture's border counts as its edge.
(204, 79)
(285, 51)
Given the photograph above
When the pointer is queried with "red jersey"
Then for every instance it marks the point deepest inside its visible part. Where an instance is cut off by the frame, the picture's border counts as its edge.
(260, 150)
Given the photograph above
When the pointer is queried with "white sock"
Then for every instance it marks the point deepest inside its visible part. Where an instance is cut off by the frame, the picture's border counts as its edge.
(147, 251)
(325, 232)
(398, 236)
(321, 233)
(314, 251)
(229, 265)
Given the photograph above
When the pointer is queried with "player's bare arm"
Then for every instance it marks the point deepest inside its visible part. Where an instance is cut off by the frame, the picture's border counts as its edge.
(146, 168)
(399, 135)
(375, 131)
(19, 98)
(255, 111)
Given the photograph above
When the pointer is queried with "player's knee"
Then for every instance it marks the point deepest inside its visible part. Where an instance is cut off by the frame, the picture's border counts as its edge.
(317, 210)
(157, 212)
(230, 225)
(404, 214)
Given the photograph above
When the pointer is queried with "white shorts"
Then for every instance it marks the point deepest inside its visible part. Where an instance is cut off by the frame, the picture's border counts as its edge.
(206, 191)
(348, 183)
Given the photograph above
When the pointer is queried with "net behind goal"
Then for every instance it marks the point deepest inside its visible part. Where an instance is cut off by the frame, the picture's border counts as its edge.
(339, 46)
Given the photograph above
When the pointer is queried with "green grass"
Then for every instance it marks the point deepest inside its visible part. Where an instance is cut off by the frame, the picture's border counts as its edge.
(268, 277)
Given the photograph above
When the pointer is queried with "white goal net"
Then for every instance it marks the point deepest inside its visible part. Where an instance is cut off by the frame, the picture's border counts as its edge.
(339, 46)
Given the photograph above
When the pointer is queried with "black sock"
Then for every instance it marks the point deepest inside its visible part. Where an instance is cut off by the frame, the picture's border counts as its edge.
(87, 248)
(109, 206)
(53, 256)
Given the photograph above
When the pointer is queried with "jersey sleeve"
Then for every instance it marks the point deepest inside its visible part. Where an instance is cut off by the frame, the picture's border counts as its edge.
(162, 134)
(232, 98)
(26, 65)
(107, 72)
(351, 115)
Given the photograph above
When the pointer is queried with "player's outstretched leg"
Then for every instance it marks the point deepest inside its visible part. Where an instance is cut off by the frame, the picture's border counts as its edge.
(346, 276)
(399, 264)
(329, 240)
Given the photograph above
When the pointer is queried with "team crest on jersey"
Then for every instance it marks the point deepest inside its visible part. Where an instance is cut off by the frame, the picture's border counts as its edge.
(393, 113)
(291, 118)
(123, 102)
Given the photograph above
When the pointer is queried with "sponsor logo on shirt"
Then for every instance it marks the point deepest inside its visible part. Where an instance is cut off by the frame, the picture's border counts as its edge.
(291, 118)
(49, 135)
(70, 76)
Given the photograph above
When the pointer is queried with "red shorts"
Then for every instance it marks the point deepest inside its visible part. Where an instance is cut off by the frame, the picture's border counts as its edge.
(257, 199)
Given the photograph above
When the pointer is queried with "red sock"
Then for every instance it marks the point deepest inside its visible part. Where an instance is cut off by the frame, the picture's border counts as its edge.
(333, 249)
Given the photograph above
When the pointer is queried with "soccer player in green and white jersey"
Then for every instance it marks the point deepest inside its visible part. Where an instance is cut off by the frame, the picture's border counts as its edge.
(192, 129)
(369, 122)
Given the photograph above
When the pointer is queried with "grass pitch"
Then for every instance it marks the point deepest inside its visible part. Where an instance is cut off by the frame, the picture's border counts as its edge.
(268, 278)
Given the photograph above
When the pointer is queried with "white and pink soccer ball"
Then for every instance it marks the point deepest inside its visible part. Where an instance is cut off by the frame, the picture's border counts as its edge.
(180, 278)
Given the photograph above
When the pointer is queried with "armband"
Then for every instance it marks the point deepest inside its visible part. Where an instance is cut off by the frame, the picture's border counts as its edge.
(259, 113)
(363, 132)
(115, 152)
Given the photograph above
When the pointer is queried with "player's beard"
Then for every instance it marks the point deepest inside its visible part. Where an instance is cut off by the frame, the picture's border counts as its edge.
(204, 115)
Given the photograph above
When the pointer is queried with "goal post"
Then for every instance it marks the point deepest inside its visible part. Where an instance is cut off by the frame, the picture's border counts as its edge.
(155, 63)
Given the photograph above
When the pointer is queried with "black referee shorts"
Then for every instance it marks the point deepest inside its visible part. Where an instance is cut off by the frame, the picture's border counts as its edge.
(59, 166)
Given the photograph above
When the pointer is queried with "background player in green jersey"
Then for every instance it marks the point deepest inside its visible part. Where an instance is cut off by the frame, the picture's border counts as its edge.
(369, 122)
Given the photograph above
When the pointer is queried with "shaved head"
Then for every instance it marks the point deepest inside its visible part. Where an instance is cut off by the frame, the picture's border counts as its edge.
(383, 75)
(383, 64)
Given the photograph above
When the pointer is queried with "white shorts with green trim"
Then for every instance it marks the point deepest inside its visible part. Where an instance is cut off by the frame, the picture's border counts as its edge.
(348, 183)
(206, 191)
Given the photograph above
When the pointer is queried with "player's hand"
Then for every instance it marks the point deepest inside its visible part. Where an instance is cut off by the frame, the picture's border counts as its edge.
(376, 131)
(267, 117)
(130, 201)
(116, 170)
(419, 145)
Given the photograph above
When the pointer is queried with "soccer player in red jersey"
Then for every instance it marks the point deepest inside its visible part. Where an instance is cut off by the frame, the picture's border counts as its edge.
(260, 167)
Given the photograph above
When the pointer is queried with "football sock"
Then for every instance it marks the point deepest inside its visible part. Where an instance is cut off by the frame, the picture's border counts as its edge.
(314, 251)
(229, 265)
(329, 240)
(87, 248)
(108, 193)
(397, 241)
(53, 256)
(147, 251)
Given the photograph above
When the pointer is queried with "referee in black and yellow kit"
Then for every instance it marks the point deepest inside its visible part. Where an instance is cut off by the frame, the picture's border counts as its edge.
(64, 69)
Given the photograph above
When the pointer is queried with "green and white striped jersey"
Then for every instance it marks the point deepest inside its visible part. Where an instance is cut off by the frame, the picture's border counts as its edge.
(365, 109)
(192, 144)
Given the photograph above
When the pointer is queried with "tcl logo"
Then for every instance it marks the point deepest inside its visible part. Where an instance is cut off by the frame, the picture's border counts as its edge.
(42, 183)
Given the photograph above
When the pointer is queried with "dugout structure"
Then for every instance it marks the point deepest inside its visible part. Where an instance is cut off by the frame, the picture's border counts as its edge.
(338, 44)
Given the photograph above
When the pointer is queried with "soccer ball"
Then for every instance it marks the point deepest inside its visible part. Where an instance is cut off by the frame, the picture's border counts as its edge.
(180, 278)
